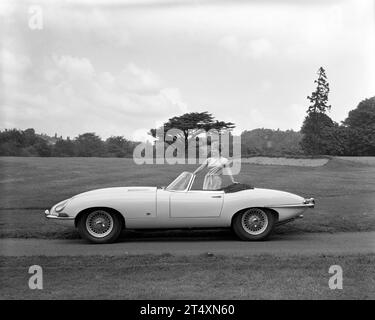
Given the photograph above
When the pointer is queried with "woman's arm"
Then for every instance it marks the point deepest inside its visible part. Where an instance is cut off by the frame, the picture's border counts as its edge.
(229, 173)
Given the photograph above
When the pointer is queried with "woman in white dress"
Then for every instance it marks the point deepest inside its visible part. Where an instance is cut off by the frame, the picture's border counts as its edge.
(215, 164)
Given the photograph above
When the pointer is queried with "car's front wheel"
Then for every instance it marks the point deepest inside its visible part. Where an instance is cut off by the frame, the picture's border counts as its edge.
(254, 224)
(99, 226)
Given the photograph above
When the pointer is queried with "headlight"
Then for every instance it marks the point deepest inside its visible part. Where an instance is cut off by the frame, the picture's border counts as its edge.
(60, 206)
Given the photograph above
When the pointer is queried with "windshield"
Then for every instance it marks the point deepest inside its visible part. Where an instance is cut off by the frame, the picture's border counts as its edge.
(181, 183)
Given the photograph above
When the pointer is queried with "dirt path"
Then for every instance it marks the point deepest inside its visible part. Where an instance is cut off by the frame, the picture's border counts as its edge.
(302, 244)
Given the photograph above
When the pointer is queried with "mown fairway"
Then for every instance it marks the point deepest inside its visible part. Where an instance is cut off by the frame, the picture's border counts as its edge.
(344, 190)
(196, 277)
(345, 202)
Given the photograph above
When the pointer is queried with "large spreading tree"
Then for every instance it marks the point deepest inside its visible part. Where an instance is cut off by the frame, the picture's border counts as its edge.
(190, 125)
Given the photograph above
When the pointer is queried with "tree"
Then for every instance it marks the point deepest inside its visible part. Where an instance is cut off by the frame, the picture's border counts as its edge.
(317, 121)
(42, 148)
(363, 116)
(89, 145)
(64, 148)
(191, 125)
(319, 98)
(23, 143)
(360, 127)
(315, 133)
(29, 137)
(268, 142)
(10, 142)
(118, 147)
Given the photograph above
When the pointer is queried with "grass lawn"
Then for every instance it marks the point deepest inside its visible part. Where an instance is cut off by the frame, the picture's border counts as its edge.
(196, 277)
(344, 190)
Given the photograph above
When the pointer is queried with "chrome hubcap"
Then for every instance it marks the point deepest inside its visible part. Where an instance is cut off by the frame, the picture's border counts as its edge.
(99, 224)
(254, 221)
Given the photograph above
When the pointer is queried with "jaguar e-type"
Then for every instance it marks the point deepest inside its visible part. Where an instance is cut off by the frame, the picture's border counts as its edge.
(100, 215)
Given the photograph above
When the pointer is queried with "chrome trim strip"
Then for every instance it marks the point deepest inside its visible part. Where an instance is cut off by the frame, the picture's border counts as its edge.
(59, 218)
(300, 205)
(307, 203)
(50, 216)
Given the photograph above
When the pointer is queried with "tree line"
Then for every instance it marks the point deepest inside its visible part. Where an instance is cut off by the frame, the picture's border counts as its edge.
(319, 134)
(27, 143)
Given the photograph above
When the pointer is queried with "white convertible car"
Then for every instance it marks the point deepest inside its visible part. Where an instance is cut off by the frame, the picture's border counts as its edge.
(100, 215)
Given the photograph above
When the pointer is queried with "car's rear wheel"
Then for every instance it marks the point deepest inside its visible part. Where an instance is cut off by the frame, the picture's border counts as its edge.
(254, 224)
(100, 226)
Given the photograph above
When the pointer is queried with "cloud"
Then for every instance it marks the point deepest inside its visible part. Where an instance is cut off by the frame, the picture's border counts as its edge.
(72, 97)
(13, 66)
(254, 48)
(259, 48)
(173, 95)
(6, 8)
(136, 79)
(117, 69)
(72, 24)
(74, 66)
(230, 43)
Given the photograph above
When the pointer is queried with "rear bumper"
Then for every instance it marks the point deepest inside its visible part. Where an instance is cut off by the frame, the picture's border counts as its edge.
(307, 203)
(310, 202)
(279, 223)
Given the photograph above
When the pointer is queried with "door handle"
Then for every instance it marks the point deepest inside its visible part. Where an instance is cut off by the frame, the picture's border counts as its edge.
(215, 196)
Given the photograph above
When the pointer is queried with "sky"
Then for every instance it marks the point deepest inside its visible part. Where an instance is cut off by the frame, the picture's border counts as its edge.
(123, 67)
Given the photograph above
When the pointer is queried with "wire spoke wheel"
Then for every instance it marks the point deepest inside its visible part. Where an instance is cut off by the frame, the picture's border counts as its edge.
(99, 224)
(254, 221)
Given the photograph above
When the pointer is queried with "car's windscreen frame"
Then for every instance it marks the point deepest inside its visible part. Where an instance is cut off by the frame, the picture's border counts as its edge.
(189, 182)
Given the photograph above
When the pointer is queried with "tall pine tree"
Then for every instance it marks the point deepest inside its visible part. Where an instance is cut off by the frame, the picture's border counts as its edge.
(317, 122)
(319, 98)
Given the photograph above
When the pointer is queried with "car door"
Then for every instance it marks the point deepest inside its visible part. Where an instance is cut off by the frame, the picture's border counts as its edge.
(195, 204)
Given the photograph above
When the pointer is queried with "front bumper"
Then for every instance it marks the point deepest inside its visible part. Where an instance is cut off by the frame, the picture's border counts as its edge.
(61, 218)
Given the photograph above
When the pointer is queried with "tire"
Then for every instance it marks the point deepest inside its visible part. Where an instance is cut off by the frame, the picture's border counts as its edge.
(254, 224)
(100, 226)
